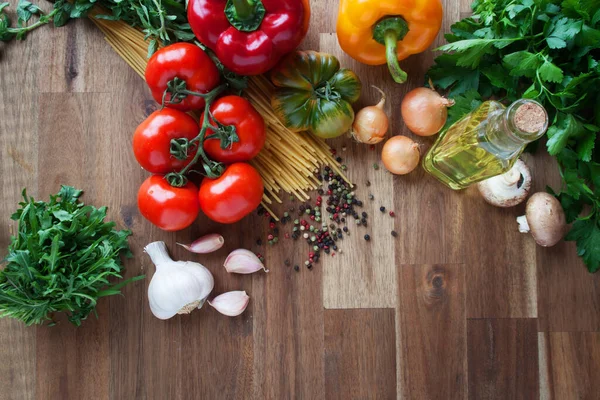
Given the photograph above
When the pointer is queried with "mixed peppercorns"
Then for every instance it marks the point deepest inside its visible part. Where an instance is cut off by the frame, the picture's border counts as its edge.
(325, 223)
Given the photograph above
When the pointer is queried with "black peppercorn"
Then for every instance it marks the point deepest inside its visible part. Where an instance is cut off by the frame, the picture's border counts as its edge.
(296, 268)
(382, 209)
(367, 237)
(394, 233)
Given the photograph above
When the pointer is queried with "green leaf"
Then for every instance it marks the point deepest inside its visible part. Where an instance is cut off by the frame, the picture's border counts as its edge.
(586, 233)
(556, 43)
(463, 104)
(560, 133)
(585, 146)
(498, 76)
(152, 47)
(550, 72)
(522, 63)
(472, 50)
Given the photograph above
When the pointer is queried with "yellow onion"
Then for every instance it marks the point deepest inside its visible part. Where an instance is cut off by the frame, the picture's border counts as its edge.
(400, 155)
(424, 111)
(371, 123)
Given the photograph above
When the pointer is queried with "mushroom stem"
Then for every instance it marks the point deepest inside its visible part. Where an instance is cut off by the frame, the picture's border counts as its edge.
(523, 224)
(512, 177)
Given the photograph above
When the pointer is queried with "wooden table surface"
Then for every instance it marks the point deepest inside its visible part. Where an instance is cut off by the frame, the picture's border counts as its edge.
(460, 305)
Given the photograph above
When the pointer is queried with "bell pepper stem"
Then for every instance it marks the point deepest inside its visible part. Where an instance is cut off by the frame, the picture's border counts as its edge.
(391, 45)
(245, 15)
(389, 31)
(244, 8)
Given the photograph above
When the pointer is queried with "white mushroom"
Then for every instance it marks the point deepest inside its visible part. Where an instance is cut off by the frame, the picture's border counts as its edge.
(544, 218)
(508, 189)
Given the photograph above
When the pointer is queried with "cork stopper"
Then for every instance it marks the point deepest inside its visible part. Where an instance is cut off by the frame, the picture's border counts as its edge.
(530, 117)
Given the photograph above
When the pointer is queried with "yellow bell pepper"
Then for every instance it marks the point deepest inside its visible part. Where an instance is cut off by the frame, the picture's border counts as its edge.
(378, 31)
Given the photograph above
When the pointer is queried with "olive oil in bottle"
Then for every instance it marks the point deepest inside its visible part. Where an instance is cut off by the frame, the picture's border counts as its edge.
(485, 143)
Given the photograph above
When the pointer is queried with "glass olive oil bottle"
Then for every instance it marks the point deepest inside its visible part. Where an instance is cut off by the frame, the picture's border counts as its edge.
(485, 143)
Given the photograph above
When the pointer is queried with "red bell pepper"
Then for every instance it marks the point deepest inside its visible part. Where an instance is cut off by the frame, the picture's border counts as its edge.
(249, 36)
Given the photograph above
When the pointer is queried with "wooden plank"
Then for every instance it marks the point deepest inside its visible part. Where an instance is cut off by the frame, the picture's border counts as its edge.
(431, 336)
(502, 279)
(502, 359)
(288, 325)
(76, 58)
(363, 275)
(430, 217)
(218, 357)
(18, 170)
(568, 295)
(360, 360)
(569, 362)
(71, 153)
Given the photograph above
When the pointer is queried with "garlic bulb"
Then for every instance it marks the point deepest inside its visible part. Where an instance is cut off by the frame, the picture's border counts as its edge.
(177, 287)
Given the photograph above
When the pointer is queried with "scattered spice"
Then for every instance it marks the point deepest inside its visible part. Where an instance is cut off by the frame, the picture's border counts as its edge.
(367, 237)
(375, 166)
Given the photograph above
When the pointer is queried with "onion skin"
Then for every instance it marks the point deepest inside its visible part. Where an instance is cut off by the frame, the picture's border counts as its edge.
(371, 123)
(424, 111)
(400, 155)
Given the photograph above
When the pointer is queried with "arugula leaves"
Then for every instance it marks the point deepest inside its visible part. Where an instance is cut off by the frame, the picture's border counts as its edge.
(160, 20)
(61, 259)
(548, 50)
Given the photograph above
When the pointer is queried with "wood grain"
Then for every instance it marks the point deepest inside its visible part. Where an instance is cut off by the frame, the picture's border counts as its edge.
(569, 363)
(432, 332)
(502, 359)
(360, 360)
(288, 326)
(383, 319)
(349, 279)
(18, 170)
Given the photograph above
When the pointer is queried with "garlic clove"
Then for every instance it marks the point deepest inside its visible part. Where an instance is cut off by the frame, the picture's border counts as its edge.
(205, 244)
(242, 261)
(231, 304)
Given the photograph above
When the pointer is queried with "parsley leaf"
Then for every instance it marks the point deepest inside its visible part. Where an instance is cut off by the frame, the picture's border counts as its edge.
(586, 234)
(61, 259)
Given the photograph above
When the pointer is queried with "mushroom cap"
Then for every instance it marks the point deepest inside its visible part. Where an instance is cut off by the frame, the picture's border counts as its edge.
(546, 219)
(508, 189)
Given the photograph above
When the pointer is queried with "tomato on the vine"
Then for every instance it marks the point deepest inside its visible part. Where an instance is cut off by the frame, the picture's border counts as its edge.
(168, 207)
(235, 113)
(152, 140)
(191, 65)
(233, 195)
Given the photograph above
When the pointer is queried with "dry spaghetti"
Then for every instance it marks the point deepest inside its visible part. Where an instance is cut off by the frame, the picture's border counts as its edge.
(288, 161)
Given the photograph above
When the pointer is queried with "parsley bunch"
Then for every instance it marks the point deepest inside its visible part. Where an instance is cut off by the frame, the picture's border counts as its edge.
(61, 259)
(546, 50)
(160, 20)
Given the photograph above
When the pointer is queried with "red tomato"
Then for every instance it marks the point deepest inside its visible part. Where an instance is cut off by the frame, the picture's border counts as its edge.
(152, 140)
(233, 195)
(170, 208)
(249, 125)
(185, 61)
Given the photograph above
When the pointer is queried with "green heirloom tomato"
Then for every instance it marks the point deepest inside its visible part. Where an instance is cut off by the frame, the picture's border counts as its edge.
(314, 94)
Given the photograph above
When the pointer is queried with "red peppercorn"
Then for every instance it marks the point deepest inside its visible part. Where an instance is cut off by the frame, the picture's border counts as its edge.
(392, 214)
(270, 237)
(311, 254)
(287, 235)
(272, 225)
(312, 217)
(319, 198)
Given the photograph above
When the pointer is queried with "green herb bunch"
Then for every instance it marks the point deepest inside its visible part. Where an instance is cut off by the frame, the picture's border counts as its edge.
(546, 50)
(160, 20)
(61, 259)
